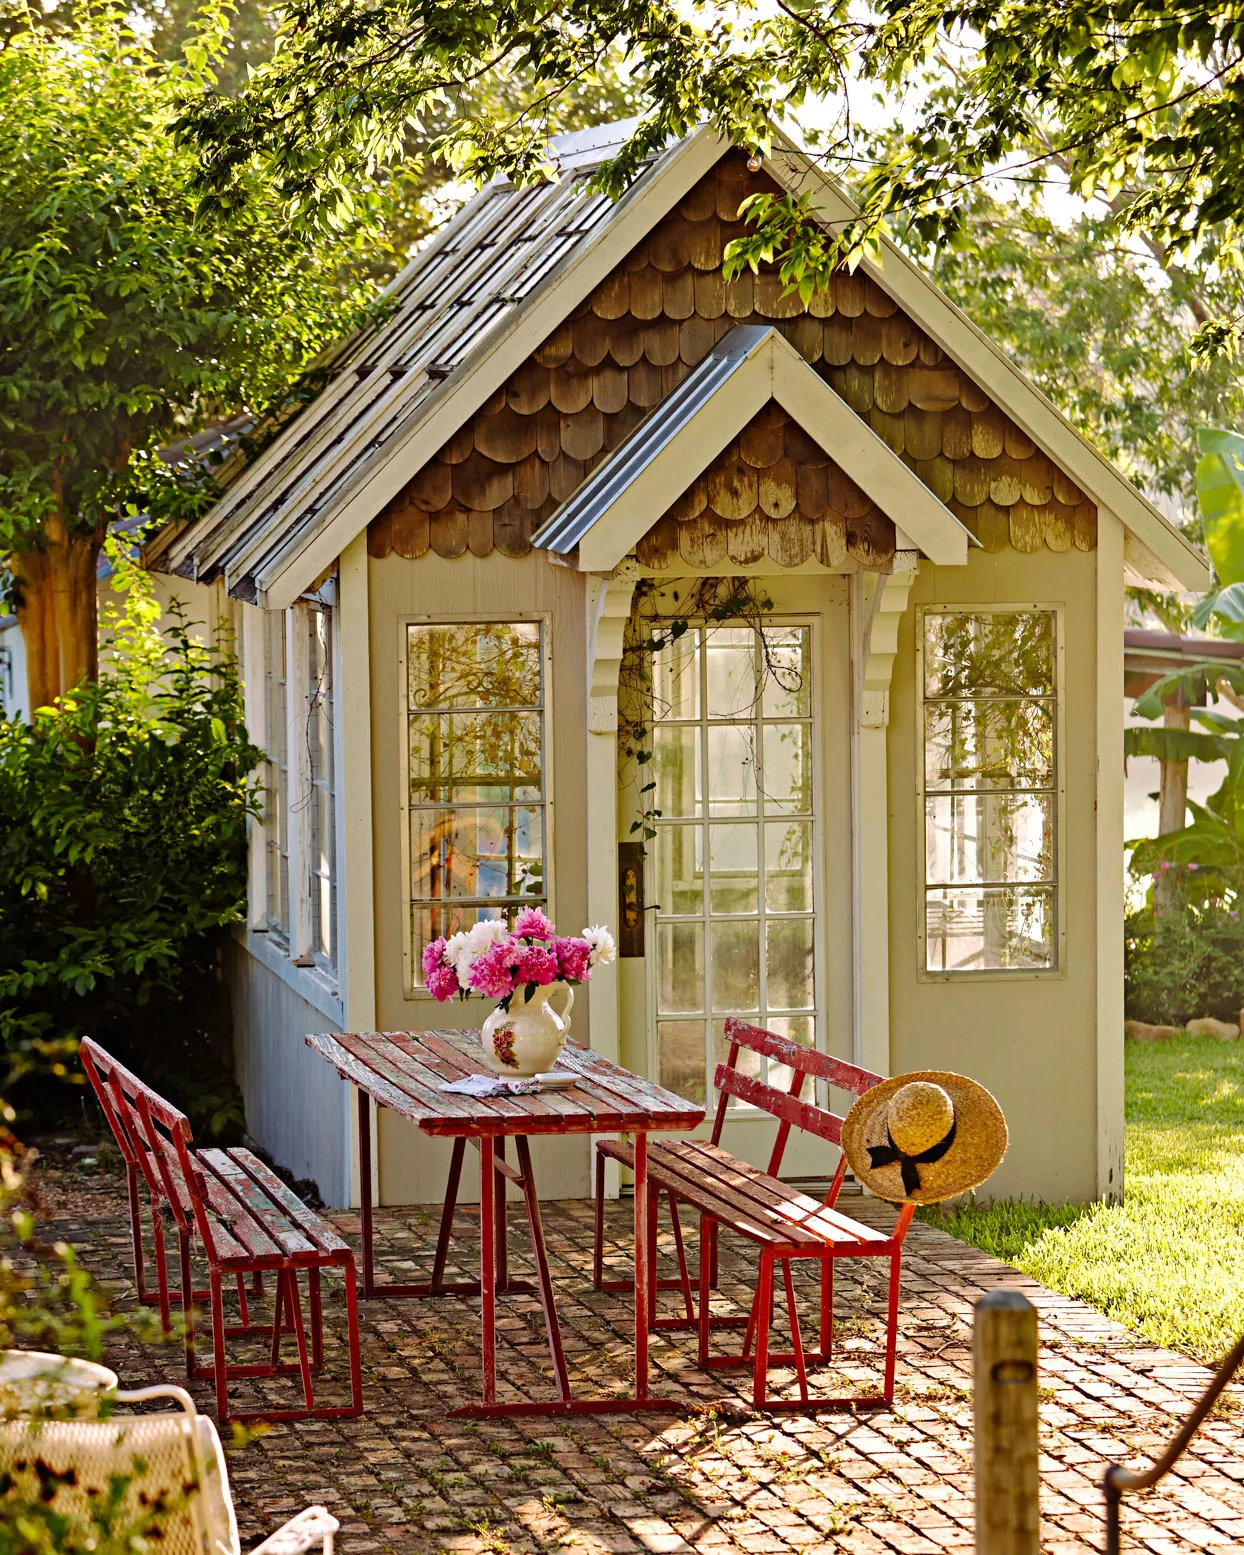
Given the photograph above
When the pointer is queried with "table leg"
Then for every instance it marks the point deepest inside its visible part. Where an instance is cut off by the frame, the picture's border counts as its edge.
(488, 1268)
(369, 1256)
(536, 1231)
(499, 1210)
(642, 1272)
(436, 1287)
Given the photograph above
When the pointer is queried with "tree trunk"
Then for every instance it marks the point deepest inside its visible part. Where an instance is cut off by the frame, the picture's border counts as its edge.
(1172, 799)
(58, 611)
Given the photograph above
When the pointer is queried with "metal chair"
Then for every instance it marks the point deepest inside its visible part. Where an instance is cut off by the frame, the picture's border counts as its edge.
(152, 1477)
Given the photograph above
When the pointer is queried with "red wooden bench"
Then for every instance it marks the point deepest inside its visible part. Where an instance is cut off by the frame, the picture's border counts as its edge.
(782, 1222)
(245, 1221)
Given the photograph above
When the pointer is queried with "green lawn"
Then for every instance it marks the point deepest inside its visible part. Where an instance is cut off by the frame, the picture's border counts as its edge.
(1169, 1262)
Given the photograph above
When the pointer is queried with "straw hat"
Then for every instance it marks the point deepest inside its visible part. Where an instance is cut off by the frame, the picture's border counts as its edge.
(923, 1137)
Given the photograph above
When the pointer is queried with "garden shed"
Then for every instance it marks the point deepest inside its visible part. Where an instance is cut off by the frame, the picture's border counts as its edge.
(784, 638)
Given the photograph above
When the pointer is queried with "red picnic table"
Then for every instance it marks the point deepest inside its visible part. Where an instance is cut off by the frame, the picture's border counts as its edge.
(404, 1071)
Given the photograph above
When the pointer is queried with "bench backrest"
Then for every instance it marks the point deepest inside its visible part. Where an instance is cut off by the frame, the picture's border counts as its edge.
(786, 1106)
(152, 1136)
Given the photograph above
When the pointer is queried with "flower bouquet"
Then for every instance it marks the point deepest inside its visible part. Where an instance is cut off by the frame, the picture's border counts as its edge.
(521, 1036)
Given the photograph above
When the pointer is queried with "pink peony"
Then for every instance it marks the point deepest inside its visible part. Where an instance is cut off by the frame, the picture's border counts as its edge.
(532, 924)
(572, 959)
(441, 981)
(492, 973)
(433, 957)
(535, 965)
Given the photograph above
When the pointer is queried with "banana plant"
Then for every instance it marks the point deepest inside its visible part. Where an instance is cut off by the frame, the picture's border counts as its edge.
(1209, 851)
(1220, 497)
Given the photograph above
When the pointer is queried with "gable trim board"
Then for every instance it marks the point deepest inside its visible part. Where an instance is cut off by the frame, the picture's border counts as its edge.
(288, 542)
(615, 506)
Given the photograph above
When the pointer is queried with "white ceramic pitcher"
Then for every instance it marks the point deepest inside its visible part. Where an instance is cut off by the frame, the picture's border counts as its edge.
(526, 1039)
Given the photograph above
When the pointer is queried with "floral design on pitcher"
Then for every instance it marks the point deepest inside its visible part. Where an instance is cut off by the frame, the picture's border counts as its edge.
(503, 1046)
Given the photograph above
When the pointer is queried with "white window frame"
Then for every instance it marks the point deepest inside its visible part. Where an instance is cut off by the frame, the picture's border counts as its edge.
(294, 944)
(740, 1113)
(411, 990)
(1058, 971)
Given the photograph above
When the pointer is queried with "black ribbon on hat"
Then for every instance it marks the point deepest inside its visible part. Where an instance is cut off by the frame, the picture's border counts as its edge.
(888, 1154)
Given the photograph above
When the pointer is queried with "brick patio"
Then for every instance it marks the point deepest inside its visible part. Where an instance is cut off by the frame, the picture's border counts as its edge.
(715, 1477)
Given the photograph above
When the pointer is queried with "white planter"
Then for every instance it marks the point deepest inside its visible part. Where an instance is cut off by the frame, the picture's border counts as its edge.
(527, 1038)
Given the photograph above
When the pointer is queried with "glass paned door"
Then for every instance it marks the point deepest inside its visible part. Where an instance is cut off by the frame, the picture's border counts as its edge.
(733, 875)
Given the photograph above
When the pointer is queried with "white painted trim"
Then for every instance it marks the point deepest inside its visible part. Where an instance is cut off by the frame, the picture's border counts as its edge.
(1110, 893)
(878, 605)
(299, 793)
(607, 610)
(1161, 554)
(383, 472)
(356, 931)
(773, 369)
(254, 687)
(356, 925)
(308, 982)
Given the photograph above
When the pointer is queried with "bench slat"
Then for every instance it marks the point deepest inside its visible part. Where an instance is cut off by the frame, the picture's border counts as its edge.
(744, 1215)
(730, 1181)
(325, 1235)
(779, 1104)
(847, 1077)
(252, 1199)
(803, 1209)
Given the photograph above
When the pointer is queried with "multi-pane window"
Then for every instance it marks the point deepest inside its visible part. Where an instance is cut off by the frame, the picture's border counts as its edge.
(990, 769)
(322, 853)
(276, 772)
(733, 875)
(476, 803)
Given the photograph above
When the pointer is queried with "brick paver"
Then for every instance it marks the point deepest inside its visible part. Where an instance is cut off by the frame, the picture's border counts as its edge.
(714, 1477)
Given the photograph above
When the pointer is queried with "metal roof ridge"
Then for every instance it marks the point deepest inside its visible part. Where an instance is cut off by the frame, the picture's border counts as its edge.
(560, 533)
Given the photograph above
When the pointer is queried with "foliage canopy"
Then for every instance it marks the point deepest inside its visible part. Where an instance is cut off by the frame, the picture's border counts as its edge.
(1139, 104)
(123, 816)
(125, 321)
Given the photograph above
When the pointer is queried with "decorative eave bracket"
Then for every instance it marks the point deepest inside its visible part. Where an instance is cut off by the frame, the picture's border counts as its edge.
(883, 604)
(608, 610)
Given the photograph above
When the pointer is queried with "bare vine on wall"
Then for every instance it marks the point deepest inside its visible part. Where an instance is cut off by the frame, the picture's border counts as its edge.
(661, 615)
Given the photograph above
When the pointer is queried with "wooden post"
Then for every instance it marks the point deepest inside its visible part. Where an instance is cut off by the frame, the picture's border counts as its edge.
(1008, 1519)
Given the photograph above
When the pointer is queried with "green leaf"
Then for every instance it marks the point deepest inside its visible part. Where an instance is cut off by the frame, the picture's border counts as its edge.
(1220, 493)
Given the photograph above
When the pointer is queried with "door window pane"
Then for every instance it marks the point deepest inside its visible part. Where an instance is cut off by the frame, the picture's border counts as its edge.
(732, 865)
(788, 866)
(733, 868)
(680, 964)
(680, 1044)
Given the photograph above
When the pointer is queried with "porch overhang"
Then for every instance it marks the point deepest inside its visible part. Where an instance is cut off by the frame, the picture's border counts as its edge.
(625, 495)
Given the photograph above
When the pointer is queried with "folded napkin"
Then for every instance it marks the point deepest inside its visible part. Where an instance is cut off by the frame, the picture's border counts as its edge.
(492, 1085)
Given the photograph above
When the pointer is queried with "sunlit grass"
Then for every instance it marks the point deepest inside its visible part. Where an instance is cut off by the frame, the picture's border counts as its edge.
(1169, 1261)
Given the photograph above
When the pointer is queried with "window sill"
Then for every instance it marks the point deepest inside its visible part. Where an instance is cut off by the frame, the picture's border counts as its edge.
(310, 983)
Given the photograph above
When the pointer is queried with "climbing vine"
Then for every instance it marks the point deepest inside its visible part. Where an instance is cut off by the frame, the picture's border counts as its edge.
(661, 615)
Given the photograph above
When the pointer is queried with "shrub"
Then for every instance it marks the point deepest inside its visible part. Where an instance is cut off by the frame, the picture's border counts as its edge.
(1186, 964)
(123, 814)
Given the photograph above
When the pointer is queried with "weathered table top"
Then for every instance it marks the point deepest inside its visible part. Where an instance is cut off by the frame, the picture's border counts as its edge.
(404, 1070)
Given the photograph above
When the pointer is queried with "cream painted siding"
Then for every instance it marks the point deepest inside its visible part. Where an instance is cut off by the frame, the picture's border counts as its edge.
(1031, 1039)
(412, 1168)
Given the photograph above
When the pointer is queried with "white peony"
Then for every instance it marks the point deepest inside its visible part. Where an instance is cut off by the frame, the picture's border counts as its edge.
(603, 949)
(454, 947)
(475, 941)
